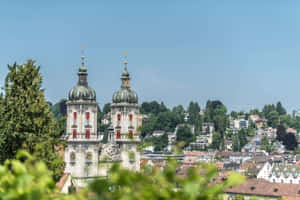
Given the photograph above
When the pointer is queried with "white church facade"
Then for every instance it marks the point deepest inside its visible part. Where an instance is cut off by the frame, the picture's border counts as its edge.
(85, 156)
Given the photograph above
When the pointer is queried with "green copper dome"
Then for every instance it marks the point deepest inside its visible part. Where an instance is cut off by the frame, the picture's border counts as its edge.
(125, 94)
(82, 91)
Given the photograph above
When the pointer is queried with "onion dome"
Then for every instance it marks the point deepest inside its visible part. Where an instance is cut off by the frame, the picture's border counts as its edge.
(82, 91)
(125, 94)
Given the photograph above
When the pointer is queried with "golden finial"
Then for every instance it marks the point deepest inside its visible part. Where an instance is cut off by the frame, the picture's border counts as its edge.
(125, 60)
(82, 54)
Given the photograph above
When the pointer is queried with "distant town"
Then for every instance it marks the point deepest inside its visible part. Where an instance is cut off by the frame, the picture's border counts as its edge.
(262, 145)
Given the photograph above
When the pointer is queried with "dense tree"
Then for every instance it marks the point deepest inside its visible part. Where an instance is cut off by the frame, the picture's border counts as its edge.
(281, 133)
(160, 142)
(167, 121)
(217, 141)
(179, 111)
(106, 108)
(290, 141)
(216, 112)
(26, 121)
(255, 112)
(59, 109)
(153, 107)
(234, 114)
(280, 109)
(194, 115)
(240, 140)
(184, 134)
(148, 126)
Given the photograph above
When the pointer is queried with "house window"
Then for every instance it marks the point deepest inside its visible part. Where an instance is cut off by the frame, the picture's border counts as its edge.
(130, 117)
(75, 115)
(87, 133)
(118, 134)
(87, 115)
(119, 117)
(74, 133)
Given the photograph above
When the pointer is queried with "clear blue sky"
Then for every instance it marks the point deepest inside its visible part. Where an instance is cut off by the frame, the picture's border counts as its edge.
(244, 53)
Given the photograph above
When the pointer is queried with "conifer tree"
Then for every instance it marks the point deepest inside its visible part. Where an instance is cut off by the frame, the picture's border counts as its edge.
(26, 121)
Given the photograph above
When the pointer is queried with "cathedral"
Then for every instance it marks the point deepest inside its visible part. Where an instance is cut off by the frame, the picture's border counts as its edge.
(86, 157)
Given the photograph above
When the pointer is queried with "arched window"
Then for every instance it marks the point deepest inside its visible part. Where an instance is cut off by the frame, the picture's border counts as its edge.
(118, 134)
(119, 117)
(75, 115)
(87, 133)
(74, 133)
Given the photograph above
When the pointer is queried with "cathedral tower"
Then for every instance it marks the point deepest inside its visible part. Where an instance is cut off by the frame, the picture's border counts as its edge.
(125, 118)
(81, 153)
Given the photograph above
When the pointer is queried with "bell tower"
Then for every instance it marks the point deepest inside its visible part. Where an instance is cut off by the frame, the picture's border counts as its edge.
(125, 118)
(81, 152)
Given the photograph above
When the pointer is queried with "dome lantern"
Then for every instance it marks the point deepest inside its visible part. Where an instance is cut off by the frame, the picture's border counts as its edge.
(125, 94)
(82, 91)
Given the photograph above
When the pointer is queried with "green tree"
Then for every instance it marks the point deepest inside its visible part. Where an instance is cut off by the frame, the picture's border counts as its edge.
(26, 121)
(184, 134)
(290, 141)
(217, 141)
(106, 108)
(281, 133)
(273, 118)
(234, 114)
(148, 126)
(194, 115)
(59, 109)
(153, 107)
(161, 142)
(167, 121)
(280, 109)
(179, 111)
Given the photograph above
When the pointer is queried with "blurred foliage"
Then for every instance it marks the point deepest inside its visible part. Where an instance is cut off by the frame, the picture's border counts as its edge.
(152, 184)
(26, 178)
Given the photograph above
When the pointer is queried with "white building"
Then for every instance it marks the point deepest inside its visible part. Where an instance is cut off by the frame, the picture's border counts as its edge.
(126, 119)
(81, 152)
(85, 157)
(239, 124)
(280, 173)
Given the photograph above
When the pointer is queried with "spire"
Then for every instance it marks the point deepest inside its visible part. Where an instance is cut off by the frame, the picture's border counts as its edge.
(125, 75)
(125, 60)
(82, 71)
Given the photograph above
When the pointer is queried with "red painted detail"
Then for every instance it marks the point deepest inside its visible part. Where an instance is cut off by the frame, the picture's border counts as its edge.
(74, 133)
(130, 117)
(87, 115)
(119, 117)
(87, 133)
(75, 115)
(118, 134)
